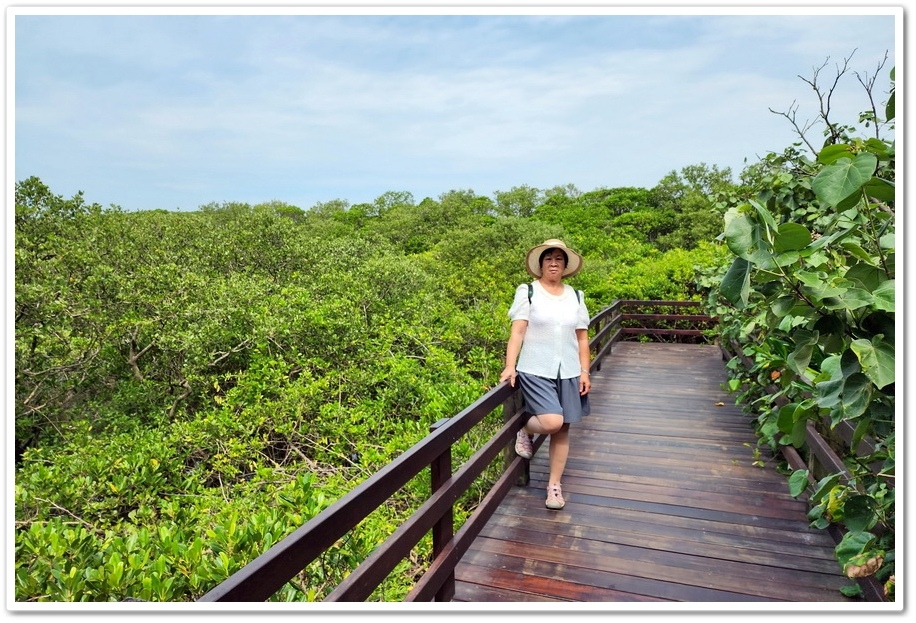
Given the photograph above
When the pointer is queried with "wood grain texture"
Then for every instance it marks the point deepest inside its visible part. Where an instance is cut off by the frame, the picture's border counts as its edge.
(663, 502)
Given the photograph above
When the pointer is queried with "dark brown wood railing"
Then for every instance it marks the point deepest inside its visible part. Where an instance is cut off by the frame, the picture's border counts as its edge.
(266, 574)
(626, 320)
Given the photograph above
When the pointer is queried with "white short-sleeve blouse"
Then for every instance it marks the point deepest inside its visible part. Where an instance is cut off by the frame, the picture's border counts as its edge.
(550, 348)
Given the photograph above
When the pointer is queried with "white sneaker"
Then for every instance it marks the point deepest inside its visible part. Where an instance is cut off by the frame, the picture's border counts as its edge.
(555, 499)
(523, 446)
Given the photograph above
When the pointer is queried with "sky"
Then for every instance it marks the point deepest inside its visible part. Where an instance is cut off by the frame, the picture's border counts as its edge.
(173, 110)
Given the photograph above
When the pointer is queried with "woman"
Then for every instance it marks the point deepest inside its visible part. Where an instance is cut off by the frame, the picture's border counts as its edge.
(548, 355)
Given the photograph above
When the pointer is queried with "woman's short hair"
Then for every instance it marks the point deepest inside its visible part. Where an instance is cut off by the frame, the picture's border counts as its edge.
(546, 251)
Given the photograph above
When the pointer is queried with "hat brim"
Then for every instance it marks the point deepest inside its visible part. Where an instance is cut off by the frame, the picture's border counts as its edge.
(532, 265)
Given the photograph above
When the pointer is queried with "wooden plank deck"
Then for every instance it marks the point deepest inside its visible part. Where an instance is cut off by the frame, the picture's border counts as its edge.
(663, 503)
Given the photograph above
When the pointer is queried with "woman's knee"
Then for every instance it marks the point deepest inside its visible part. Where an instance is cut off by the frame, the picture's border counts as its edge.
(552, 422)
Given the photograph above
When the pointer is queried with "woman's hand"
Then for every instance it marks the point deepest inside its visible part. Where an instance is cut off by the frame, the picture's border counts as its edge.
(585, 383)
(508, 373)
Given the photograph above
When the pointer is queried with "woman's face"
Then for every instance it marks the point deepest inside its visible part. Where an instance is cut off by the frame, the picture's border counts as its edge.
(553, 263)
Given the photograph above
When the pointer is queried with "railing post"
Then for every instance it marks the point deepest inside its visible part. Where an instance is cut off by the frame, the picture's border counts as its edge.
(599, 345)
(440, 470)
(510, 409)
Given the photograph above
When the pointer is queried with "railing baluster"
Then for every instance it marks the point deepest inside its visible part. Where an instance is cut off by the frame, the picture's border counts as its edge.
(511, 407)
(440, 470)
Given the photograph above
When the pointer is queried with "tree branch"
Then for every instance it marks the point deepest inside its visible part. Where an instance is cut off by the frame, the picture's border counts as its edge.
(801, 132)
(868, 83)
(82, 521)
(134, 354)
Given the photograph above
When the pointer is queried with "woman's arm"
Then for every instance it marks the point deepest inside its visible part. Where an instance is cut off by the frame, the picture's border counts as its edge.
(585, 361)
(513, 348)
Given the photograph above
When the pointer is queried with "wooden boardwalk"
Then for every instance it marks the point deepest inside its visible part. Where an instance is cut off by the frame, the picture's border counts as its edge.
(663, 502)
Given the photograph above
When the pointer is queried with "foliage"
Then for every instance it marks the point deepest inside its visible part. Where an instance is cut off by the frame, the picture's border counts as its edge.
(192, 387)
(684, 201)
(809, 298)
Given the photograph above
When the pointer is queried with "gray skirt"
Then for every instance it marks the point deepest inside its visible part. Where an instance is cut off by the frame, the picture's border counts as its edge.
(542, 395)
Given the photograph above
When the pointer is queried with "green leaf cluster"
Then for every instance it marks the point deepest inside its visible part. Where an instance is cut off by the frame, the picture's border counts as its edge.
(809, 297)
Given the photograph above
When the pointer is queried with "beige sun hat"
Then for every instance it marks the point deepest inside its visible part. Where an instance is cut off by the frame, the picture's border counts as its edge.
(532, 260)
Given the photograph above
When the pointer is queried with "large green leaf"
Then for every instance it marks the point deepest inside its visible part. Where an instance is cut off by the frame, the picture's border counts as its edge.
(783, 305)
(788, 323)
(824, 486)
(836, 236)
(783, 259)
(735, 285)
(805, 341)
(880, 189)
(859, 513)
(883, 296)
(828, 386)
(879, 147)
(849, 207)
(785, 418)
(741, 234)
(887, 241)
(748, 233)
(792, 420)
(852, 544)
(832, 153)
(798, 482)
(857, 392)
(841, 180)
(849, 363)
(855, 249)
(865, 275)
(850, 298)
(877, 359)
(765, 217)
(791, 237)
(817, 285)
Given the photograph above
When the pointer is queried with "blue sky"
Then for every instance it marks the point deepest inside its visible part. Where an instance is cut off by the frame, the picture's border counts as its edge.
(177, 111)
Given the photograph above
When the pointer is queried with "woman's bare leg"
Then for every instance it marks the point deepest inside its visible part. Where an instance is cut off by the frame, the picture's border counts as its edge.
(552, 424)
(544, 424)
(559, 451)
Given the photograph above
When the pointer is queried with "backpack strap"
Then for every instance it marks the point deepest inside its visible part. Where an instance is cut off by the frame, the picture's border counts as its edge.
(531, 291)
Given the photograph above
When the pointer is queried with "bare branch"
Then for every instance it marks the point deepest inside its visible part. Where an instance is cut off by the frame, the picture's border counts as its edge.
(134, 354)
(801, 132)
(824, 98)
(182, 396)
(82, 521)
(84, 358)
(834, 133)
(231, 351)
(868, 83)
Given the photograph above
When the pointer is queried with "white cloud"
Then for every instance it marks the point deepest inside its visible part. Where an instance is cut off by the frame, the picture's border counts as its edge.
(189, 110)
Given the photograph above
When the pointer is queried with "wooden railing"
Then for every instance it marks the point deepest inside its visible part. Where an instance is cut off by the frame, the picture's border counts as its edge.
(267, 573)
(626, 320)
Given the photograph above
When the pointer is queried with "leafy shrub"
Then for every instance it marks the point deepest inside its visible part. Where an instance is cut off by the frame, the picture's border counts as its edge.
(810, 299)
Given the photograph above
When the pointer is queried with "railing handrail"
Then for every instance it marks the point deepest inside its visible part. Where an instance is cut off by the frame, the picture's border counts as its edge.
(266, 574)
